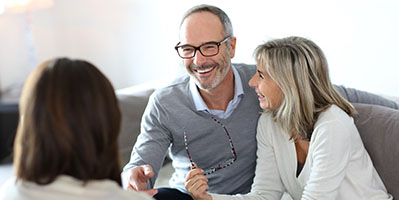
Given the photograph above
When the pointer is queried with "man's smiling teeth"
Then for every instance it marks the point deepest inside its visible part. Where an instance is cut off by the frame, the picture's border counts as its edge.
(260, 95)
(201, 71)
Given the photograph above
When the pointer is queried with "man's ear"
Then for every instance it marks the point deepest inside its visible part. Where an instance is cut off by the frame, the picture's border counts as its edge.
(233, 47)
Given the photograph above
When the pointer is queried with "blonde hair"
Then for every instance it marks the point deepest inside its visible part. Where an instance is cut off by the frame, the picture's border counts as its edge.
(300, 69)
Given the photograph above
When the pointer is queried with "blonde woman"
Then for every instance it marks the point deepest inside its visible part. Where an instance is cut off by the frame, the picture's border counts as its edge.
(308, 145)
(66, 145)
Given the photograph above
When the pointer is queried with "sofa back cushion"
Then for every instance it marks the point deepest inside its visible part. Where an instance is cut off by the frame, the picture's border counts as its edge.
(132, 107)
(379, 129)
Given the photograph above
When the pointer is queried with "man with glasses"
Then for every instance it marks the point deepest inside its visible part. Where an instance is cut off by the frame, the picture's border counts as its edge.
(208, 117)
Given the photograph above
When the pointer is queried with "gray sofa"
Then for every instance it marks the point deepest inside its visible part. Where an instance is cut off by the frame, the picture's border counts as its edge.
(378, 127)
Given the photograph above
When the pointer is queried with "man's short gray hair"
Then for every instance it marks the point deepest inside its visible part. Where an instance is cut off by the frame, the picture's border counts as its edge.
(227, 26)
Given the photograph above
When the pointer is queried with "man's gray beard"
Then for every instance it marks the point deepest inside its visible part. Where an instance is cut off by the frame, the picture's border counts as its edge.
(219, 79)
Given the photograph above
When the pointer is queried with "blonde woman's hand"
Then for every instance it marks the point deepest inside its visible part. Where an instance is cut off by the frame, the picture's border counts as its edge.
(197, 184)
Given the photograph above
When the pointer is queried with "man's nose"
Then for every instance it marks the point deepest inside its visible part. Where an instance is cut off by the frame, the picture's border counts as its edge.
(199, 59)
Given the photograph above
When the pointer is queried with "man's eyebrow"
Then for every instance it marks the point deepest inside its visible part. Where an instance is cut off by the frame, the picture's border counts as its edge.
(208, 42)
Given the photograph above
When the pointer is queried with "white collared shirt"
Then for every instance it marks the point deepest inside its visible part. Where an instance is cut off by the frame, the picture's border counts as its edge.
(200, 105)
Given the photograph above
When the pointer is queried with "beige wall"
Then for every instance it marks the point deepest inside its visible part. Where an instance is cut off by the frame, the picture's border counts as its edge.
(132, 41)
(128, 40)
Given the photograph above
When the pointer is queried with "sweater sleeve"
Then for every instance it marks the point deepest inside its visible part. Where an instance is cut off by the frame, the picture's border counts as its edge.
(330, 154)
(267, 183)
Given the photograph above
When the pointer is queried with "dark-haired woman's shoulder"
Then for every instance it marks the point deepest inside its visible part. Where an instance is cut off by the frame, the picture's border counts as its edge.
(66, 187)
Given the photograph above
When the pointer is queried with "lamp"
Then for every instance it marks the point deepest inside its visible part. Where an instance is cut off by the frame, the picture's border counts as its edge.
(24, 7)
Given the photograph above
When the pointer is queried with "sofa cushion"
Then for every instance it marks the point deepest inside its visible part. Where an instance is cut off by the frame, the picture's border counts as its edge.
(379, 129)
(132, 107)
(358, 96)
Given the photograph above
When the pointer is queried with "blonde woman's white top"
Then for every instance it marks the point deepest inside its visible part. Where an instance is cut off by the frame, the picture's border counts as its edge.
(67, 188)
(337, 165)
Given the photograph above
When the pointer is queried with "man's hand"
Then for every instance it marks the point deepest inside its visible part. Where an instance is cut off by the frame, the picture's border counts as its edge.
(197, 184)
(138, 179)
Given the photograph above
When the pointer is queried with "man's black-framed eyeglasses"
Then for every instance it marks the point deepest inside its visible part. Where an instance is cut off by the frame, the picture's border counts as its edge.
(208, 49)
(220, 165)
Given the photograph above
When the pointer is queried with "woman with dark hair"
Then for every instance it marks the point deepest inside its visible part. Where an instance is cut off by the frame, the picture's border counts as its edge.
(308, 144)
(66, 145)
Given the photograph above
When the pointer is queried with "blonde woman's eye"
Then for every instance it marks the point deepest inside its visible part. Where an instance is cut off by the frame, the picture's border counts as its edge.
(261, 75)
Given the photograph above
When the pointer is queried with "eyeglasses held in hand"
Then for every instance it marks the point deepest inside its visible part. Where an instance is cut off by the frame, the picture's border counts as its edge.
(221, 165)
(207, 49)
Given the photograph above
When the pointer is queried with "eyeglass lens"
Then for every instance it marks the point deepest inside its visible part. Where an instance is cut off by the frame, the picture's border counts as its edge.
(221, 165)
(205, 49)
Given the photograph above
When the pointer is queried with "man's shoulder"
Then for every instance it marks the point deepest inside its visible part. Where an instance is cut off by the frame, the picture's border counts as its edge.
(174, 88)
(244, 67)
(245, 70)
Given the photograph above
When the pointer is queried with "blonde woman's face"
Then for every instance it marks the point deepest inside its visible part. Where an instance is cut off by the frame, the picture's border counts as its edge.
(269, 93)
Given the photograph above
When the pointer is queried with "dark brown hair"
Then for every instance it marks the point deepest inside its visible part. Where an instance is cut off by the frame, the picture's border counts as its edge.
(69, 125)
